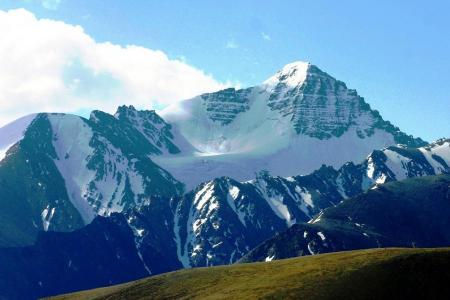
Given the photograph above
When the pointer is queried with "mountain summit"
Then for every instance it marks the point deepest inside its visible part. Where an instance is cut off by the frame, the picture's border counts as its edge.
(295, 121)
(293, 75)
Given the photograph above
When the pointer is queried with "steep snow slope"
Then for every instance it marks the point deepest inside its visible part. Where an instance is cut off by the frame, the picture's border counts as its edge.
(64, 170)
(33, 196)
(105, 163)
(13, 132)
(294, 122)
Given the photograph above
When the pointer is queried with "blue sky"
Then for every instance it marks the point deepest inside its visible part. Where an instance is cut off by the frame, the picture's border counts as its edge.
(394, 53)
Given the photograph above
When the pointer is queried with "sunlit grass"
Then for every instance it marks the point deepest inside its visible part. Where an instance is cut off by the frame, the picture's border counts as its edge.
(374, 273)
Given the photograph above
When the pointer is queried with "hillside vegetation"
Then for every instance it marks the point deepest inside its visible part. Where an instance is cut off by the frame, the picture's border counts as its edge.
(363, 274)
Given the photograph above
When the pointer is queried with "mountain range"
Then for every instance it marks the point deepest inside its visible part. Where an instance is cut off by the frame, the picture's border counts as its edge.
(131, 245)
(203, 183)
(410, 213)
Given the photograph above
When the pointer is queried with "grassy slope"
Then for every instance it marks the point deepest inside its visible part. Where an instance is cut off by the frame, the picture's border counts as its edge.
(363, 274)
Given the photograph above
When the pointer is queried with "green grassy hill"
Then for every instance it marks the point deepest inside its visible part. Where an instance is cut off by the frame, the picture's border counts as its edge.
(394, 273)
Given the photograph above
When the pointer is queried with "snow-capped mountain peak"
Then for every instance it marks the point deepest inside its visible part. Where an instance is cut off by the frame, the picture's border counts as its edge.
(291, 75)
(292, 123)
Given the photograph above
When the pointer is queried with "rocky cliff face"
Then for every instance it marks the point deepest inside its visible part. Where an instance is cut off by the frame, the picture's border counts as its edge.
(151, 126)
(224, 106)
(322, 107)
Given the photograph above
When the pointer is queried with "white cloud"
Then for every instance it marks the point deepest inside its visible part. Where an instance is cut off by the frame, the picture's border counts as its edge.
(51, 4)
(49, 65)
(265, 36)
